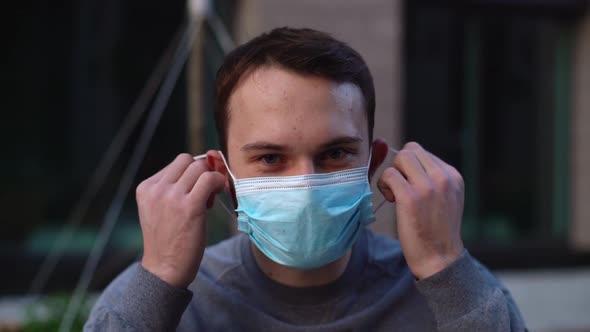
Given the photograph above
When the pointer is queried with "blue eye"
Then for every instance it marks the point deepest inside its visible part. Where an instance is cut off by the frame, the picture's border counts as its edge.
(270, 159)
(335, 154)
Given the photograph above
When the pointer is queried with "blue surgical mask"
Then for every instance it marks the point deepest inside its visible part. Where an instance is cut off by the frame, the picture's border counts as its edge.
(304, 221)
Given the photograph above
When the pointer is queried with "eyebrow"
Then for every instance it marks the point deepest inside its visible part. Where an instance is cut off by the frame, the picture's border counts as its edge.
(263, 146)
(341, 141)
(267, 146)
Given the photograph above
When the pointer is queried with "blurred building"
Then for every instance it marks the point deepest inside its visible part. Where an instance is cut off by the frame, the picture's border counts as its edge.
(499, 89)
(495, 88)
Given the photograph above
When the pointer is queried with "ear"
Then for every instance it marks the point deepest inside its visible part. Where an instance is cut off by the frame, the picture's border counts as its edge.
(215, 163)
(379, 151)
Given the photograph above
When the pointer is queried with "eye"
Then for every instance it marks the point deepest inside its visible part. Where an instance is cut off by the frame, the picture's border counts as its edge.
(270, 159)
(335, 154)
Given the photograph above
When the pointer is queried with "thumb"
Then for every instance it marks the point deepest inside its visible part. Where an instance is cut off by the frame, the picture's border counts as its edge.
(392, 183)
(208, 184)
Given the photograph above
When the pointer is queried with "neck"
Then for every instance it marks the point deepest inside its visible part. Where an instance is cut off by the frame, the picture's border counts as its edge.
(293, 277)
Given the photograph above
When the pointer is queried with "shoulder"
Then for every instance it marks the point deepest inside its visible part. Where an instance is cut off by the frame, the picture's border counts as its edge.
(134, 300)
(116, 289)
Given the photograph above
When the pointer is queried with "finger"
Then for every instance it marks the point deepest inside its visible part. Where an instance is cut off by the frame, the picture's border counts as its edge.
(385, 191)
(408, 165)
(190, 176)
(425, 158)
(393, 184)
(175, 170)
(208, 184)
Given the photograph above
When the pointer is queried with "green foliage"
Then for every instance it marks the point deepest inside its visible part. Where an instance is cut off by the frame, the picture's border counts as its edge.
(46, 314)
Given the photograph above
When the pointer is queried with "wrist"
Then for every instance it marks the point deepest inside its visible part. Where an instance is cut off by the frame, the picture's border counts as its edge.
(436, 264)
(165, 273)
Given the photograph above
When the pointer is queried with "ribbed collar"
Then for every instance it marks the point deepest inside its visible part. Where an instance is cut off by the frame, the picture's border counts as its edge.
(308, 295)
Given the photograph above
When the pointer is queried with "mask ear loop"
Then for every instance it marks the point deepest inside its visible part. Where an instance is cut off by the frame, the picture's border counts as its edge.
(232, 215)
(221, 203)
(385, 200)
(204, 155)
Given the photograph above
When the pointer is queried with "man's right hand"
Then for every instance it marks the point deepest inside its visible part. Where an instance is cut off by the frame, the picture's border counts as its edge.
(172, 207)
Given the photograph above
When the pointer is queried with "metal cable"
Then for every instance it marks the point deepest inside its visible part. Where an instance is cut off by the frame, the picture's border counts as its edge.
(112, 215)
(220, 31)
(104, 168)
(227, 44)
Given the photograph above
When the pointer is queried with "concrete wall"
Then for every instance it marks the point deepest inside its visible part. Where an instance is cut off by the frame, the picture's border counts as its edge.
(372, 27)
(580, 168)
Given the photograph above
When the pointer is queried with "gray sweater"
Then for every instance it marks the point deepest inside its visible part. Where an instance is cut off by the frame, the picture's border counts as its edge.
(377, 292)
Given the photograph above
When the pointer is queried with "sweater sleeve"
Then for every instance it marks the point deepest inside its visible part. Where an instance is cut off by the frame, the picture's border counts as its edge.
(138, 301)
(466, 297)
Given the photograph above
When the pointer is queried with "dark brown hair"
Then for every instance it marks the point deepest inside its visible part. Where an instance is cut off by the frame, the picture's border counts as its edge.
(303, 51)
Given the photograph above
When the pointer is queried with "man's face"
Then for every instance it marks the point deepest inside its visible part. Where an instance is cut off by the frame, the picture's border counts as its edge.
(282, 123)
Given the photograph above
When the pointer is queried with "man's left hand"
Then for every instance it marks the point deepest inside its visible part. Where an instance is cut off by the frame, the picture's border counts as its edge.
(429, 198)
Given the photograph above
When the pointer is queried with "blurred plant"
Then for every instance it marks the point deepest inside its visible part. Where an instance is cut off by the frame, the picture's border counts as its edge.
(46, 314)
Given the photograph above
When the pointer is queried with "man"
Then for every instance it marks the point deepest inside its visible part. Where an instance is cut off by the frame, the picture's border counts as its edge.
(295, 114)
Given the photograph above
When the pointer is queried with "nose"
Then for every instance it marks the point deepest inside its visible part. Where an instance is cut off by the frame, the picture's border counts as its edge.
(303, 166)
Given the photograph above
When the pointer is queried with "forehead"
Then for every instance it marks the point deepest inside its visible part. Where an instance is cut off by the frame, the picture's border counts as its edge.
(272, 103)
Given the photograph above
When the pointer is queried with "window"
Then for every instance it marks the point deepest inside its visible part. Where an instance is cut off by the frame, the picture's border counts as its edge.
(487, 89)
(73, 73)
